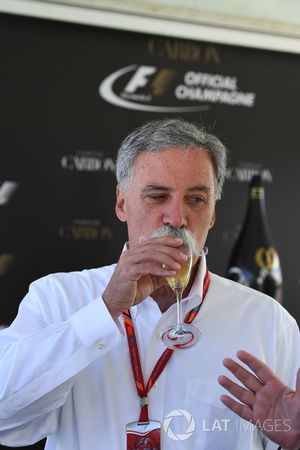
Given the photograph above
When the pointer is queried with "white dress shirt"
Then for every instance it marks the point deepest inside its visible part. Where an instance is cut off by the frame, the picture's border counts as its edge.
(65, 370)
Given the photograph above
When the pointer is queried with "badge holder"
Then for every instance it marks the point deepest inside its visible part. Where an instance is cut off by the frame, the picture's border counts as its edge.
(143, 435)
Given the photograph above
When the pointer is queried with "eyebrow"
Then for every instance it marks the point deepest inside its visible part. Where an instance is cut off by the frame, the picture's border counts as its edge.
(201, 188)
(161, 188)
(155, 187)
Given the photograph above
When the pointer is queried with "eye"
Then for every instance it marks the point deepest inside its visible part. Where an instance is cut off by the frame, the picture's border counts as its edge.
(196, 199)
(157, 197)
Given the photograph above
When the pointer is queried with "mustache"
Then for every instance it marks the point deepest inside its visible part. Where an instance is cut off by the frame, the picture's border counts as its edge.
(186, 235)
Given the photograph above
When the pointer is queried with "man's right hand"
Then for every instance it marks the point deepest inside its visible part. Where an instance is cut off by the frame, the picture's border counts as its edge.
(141, 270)
(264, 399)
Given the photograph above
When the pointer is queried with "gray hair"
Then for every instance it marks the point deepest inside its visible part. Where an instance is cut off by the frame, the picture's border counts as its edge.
(158, 135)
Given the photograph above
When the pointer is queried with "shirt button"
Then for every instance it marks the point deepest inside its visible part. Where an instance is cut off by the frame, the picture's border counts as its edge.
(100, 345)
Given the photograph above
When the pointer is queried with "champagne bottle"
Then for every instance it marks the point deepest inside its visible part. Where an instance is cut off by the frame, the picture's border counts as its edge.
(254, 260)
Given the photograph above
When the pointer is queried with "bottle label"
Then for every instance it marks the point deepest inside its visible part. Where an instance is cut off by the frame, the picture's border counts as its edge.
(257, 193)
(240, 275)
(267, 258)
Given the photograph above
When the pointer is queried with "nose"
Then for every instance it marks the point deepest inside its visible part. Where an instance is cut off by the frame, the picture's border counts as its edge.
(175, 214)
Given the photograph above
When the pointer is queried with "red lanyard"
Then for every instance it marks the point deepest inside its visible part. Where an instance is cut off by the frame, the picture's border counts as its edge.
(143, 390)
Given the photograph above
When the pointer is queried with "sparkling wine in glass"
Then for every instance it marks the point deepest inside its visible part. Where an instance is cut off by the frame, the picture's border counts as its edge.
(181, 335)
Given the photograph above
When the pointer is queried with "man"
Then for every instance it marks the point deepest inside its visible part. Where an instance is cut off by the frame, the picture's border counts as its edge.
(266, 400)
(80, 368)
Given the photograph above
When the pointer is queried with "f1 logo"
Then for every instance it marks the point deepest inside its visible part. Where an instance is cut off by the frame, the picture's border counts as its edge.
(140, 78)
(159, 83)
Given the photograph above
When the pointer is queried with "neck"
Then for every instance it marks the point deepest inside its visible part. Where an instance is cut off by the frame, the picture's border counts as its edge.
(165, 296)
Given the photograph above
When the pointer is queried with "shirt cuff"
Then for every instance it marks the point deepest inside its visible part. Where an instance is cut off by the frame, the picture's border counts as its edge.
(94, 326)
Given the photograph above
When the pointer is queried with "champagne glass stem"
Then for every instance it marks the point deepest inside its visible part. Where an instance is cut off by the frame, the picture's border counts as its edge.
(178, 293)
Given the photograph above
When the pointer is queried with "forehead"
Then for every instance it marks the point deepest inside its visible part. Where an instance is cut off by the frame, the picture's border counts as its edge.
(174, 164)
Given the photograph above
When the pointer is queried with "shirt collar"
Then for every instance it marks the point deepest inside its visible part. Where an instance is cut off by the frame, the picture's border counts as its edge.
(197, 287)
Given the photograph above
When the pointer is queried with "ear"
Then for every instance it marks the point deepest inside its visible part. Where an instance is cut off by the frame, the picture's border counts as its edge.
(120, 207)
(213, 219)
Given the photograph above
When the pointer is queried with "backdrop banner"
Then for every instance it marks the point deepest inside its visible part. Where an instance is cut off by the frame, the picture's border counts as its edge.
(70, 93)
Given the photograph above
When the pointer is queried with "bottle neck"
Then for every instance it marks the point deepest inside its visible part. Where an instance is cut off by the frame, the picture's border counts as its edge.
(256, 221)
(256, 210)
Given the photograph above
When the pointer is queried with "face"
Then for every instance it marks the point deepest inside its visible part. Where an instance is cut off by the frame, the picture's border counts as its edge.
(173, 187)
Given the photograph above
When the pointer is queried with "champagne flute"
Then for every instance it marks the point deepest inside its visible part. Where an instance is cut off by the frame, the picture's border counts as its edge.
(181, 335)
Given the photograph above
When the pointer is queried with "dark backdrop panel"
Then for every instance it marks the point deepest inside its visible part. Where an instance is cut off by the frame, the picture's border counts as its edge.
(59, 139)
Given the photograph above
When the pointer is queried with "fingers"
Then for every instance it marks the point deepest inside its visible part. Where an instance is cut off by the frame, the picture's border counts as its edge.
(163, 240)
(142, 269)
(247, 378)
(244, 395)
(155, 256)
(169, 240)
(242, 410)
(150, 268)
(169, 257)
(296, 410)
(263, 372)
(251, 384)
(247, 397)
